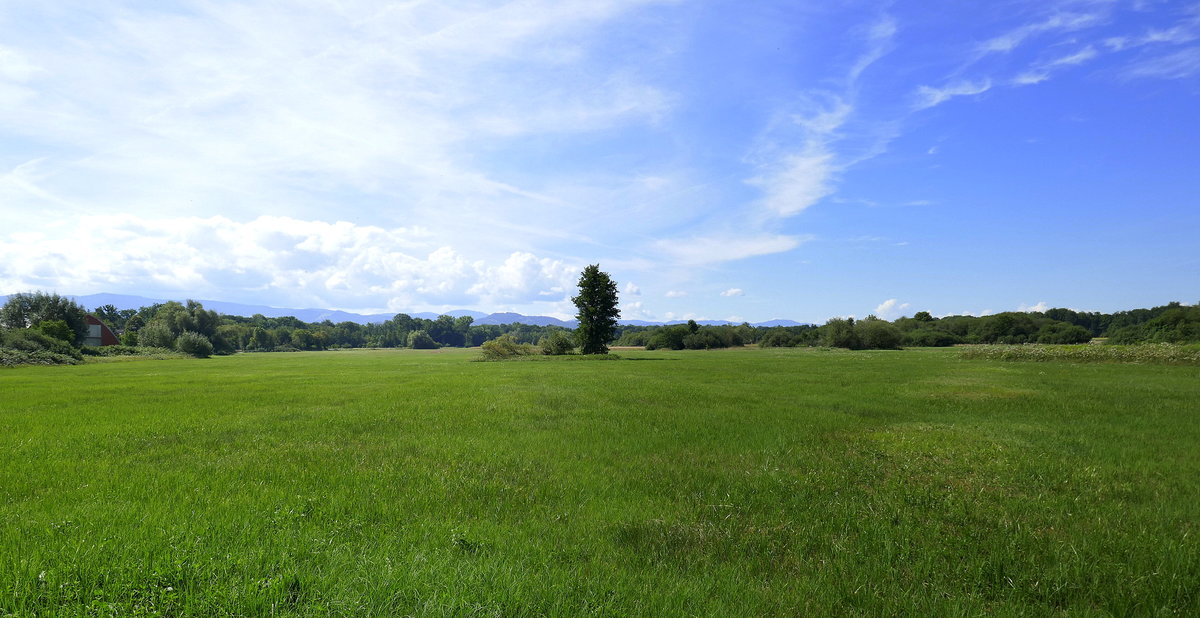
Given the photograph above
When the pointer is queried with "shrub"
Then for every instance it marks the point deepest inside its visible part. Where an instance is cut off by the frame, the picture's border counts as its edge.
(32, 340)
(878, 335)
(503, 347)
(634, 338)
(195, 344)
(840, 333)
(420, 340)
(557, 343)
(1061, 332)
(930, 337)
(668, 338)
(156, 334)
(57, 329)
(112, 350)
(11, 357)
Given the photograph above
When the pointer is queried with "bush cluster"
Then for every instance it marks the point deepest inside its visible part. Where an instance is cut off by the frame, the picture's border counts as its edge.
(194, 344)
(504, 347)
(691, 336)
(557, 343)
(33, 347)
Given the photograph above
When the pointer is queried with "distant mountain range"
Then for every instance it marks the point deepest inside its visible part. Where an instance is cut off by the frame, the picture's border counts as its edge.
(123, 301)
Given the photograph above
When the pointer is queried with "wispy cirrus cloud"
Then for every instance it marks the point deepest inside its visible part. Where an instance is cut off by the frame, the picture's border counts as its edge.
(1057, 21)
(1176, 65)
(928, 96)
(700, 250)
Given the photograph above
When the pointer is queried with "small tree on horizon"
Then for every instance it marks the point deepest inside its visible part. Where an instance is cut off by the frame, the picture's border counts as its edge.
(598, 313)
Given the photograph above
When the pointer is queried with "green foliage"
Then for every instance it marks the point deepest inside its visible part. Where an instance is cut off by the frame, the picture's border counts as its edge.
(876, 334)
(598, 312)
(1172, 324)
(117, 350)
(12, 357)
(505, 347)
(668, 338)
(930, 337)
(194, 344)
(116, 319)
(420, 340)
(1062, 333)
(33, 347)
(840, 333)
(28, 309)
(57, 329)
(557, 343)
(633, 338)
(157, 334)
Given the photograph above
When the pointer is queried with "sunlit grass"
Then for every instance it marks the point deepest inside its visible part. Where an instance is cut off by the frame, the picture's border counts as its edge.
(735, 482)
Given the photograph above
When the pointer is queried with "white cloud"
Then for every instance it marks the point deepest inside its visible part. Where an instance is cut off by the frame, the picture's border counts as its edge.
(1038, 308)
(714, 249)
(635, 311)
(1177, 65)
(1078, 57)
(800, 181)
(297, 262)
(523, 277)
(370, 103)
(631, 289)
(890, 309)
(928, 96)
(1029, 78)
(15, 65)
(676, 294)
(1059, 21)
(797, 162)
(733, 292)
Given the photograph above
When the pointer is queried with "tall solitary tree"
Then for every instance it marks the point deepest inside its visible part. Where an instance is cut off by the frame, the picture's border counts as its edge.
(598, 313)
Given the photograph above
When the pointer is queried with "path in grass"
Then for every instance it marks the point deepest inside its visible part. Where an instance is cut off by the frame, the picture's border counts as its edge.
(726, 482)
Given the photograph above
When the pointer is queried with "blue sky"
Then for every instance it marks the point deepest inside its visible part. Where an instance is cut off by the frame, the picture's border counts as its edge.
(722, 160)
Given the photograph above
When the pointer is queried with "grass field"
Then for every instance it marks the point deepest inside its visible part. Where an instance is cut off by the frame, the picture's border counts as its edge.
(738, 482)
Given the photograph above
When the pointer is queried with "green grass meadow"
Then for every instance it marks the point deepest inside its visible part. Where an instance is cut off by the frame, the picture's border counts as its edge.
(726, 483)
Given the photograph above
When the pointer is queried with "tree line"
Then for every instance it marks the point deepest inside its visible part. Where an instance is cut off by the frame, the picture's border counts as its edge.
(43, 327)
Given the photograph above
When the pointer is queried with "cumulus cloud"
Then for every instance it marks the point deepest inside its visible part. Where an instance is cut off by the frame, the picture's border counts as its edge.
(732, 292)
(890, 309)
(635, 311)
(523, 277)
(1038, 308)
(300, 262)
(631, 289)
